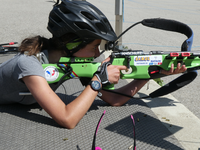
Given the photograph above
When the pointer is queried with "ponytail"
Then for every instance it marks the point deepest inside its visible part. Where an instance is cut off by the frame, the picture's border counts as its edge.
(34, 45)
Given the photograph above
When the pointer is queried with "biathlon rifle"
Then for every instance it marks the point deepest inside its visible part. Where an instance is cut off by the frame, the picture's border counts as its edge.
(142, 65)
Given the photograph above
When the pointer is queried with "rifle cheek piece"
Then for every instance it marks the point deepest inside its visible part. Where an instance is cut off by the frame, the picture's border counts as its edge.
(102, 74)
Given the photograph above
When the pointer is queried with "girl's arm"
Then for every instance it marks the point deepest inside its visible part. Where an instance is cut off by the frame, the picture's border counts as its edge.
(66, 115)
(130, 89)
(133, 87)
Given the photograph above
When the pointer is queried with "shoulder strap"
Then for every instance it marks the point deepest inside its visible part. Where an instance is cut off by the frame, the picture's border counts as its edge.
(172, 25)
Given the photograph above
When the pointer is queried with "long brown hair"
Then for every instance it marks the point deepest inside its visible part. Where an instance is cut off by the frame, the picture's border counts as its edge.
(35, 44)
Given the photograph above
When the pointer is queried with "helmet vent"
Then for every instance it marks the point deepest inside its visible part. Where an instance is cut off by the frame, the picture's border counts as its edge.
(101, 28)
(56, 18)
(88, 16)
(107, 23)
(83, 26)
(96, 10)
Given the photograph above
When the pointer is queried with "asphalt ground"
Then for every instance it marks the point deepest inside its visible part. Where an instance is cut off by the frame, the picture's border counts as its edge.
(20, 19)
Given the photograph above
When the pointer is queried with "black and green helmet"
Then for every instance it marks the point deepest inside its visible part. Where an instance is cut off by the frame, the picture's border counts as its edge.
(81, 18)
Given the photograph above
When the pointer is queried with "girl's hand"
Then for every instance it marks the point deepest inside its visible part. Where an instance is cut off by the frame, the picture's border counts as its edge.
(179, 69)
(114, 72)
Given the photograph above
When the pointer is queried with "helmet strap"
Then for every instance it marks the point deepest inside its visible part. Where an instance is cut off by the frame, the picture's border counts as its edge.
(75, 45)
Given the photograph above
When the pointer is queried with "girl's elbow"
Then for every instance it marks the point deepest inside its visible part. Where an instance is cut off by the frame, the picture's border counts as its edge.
(67, 123)
(70, 127)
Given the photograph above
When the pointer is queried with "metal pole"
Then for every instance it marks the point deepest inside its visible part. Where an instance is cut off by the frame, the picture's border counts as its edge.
(119, 19)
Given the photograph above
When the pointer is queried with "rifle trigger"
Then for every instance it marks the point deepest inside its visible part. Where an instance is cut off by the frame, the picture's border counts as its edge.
(128, 61)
